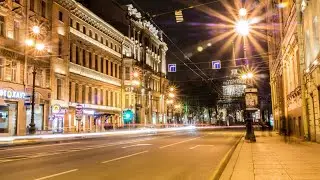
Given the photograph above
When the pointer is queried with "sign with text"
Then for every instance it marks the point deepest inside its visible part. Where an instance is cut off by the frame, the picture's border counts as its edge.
(79, 112)
(172, 68)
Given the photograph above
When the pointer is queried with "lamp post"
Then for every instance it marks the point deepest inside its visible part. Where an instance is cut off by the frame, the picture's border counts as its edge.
(136, 84)
(38, 47)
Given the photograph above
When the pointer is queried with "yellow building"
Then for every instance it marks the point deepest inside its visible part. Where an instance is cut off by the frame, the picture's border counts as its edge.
(22, 20)
(294, 48)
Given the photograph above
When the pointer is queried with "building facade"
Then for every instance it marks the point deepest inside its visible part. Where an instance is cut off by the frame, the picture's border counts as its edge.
(81, 61)
(148, 59)
(18, 62)
(293, 44)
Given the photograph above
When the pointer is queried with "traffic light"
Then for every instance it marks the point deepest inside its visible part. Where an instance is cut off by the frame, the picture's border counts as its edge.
(127, 116)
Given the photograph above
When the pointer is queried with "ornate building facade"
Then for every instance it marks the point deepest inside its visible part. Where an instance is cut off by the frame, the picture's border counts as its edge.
(294, 55)
(81, 61)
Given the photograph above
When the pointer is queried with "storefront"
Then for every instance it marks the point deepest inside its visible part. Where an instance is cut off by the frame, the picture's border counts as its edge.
(10, 101)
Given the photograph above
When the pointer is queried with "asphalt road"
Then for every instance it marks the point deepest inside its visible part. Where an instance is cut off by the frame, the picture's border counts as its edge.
(189, 154)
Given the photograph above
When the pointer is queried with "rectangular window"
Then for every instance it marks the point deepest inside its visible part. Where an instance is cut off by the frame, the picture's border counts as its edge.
(2, 26)
(71, 22)
(84, 93)
(90, 60)
(83, 57)
(95, 95)
(32, 5)
(111, 68)
(70, 93)
(107, 44)
(111, 98)
(60, 44)
(43, 8)
(96, 62)
(90, 33)
(71, 52)
(111, 45)
(59, 89)
(76, 93)
(101, 96)
(101, 39)
(96, 36)
(16, 30)
(77, 55)
(115, 47)
(101, 64)
(107, 66)
(116, 70)
(106, 97)
(127, 73)
(78, 26)
(90, 95)
(84, 30)
(2, 65)
(60, 16)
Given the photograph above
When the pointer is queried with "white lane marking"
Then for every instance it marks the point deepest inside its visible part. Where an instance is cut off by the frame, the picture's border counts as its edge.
(201, 145)
(28, 147)
(58, 174)
(135, 145)
(179, 142)
(123, 157)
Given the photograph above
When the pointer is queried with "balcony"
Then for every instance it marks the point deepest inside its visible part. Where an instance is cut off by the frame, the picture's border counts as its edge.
(89, 73)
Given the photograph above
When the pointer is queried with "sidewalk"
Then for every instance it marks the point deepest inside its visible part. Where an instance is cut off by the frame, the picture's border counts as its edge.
(271, 158)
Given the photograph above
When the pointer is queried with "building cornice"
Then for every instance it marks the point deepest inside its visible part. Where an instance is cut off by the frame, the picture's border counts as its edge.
(86, 15)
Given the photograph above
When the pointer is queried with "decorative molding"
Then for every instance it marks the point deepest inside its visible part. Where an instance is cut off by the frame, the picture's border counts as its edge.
(83, 71)
(93, 41)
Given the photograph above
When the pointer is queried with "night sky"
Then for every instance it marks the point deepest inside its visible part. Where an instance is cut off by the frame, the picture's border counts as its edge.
(198, 27)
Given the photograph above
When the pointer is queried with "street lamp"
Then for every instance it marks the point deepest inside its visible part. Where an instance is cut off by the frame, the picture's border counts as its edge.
(136, 83)
(39, 47)
(171, 95)
(242, 27)
(242, 12)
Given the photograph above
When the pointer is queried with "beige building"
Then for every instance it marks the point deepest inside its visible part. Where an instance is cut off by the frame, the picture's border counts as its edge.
(148, 58)
(17, 61)
(294, 48)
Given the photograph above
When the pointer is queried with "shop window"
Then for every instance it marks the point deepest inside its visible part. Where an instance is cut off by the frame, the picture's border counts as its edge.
(8, 118)
(59, 89)
(38, 117)
(2, 26)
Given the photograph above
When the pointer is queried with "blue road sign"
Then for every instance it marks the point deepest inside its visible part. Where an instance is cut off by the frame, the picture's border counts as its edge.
(172, 68)
(216, 64)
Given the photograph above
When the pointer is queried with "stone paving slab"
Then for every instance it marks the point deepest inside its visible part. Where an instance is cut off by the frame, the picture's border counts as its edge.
(273, 158)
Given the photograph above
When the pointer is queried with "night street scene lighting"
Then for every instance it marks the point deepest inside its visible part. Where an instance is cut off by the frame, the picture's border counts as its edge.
(159, 89)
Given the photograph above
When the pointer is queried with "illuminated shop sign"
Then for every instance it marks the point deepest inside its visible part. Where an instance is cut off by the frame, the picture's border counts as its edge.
(12, 94)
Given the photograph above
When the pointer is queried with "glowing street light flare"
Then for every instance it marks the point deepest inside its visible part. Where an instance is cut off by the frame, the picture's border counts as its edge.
(36, 29)
(40, 47)
(209, 44)
(171, 95)
(170, 101)
(200, 48)
(135, 82)
(242, 27)
(244, 76)
(250, 75)
(242, 12)
(29, 42)
(282, 5)
(171, 89)
(135, 74)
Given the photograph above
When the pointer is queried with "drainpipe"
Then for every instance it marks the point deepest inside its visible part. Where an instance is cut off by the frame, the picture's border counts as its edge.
(302, 69)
